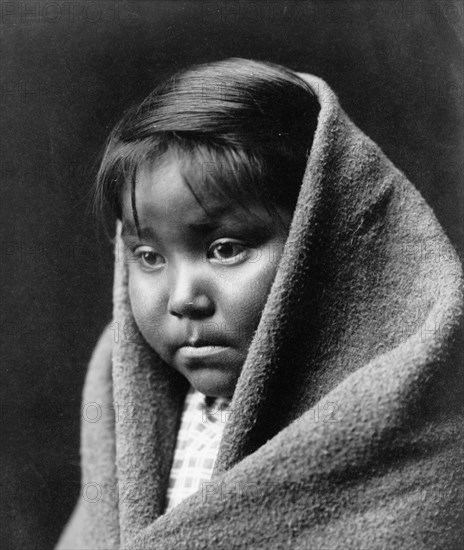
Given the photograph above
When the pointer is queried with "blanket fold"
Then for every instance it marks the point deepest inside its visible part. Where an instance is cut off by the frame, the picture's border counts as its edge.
(346, 423)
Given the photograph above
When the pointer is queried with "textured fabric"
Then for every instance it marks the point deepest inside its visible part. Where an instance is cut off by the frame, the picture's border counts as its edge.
(197, 445)
(348, 406)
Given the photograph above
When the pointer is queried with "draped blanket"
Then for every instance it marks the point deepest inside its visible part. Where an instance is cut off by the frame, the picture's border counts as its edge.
(346, 425)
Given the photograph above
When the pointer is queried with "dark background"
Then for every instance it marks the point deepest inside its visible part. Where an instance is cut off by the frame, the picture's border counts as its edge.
(69, 69)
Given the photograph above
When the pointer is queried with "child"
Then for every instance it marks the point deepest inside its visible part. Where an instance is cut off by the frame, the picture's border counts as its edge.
(263, 269)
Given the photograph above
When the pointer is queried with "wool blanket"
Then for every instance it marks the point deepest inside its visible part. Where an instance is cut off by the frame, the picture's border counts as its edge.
(346, 425)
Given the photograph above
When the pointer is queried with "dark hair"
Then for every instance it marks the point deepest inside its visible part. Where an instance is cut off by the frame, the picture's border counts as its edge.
(240, 128)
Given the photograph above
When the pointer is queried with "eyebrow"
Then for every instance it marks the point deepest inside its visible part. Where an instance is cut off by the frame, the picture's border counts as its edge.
(203, 225)
(129, 230)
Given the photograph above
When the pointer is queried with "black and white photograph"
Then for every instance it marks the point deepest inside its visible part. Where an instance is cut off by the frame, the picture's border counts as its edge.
(232, 243)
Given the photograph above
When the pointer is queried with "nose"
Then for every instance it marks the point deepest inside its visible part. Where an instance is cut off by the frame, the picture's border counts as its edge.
(189, 296)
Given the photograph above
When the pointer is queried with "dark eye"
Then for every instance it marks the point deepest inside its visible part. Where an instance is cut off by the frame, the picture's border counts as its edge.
(148, 259)
(227, 252)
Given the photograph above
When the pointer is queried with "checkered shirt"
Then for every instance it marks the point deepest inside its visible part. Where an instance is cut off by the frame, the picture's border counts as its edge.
(200, 432)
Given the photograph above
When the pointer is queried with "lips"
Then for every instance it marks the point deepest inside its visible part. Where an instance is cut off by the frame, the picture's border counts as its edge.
(199, 343)
(194, 349)
(191, 352)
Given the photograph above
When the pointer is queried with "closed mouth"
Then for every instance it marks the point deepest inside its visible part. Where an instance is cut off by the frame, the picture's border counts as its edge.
(199, 343)
(200, 351)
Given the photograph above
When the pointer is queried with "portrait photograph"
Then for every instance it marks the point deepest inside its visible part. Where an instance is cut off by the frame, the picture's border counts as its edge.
(232, 242)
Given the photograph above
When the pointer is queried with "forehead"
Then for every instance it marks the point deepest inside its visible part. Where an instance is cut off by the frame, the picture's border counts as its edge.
(163, 196)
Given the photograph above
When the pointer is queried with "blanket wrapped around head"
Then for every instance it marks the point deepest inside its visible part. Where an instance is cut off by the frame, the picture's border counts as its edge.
(346, 425)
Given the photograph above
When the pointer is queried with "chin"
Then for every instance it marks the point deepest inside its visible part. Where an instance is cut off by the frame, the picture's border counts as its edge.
(213, 384)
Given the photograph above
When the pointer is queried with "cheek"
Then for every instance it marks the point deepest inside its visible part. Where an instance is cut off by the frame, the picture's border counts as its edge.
(147, 303)
(247, 295)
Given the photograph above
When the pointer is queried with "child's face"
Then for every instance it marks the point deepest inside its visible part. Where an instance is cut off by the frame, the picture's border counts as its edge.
(198, 279)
